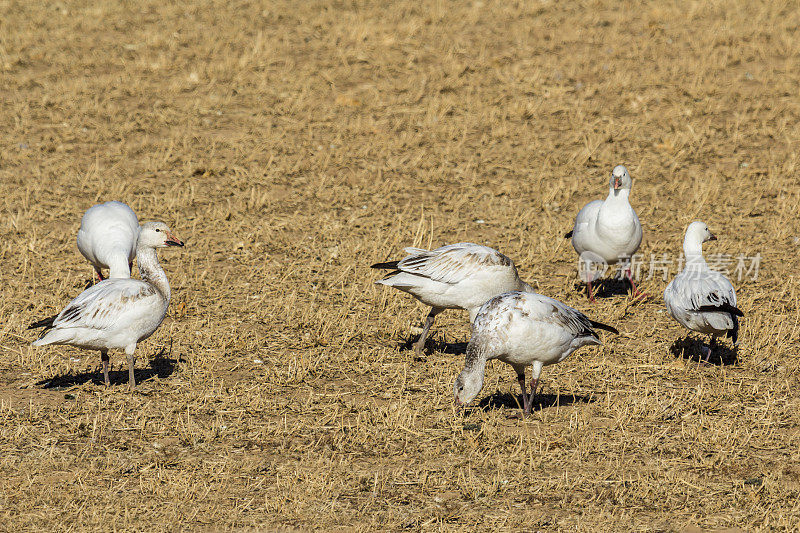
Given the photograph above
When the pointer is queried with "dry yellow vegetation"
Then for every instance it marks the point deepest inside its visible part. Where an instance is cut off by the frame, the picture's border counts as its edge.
(291, 145)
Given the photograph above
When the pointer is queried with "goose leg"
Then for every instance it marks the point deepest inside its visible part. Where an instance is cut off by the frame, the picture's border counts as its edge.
(131, 363)
(586, 273)
(104, 360)
(526, 402)
(99, 274)
(704, 351)
(534, 386)
(420, 344)
(712, 343)
(634, 288)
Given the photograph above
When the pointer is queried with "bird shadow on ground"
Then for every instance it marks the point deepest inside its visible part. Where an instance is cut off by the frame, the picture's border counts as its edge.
(541, 401)
(691, 349)
(160, 366)
(433, 346)
(607, 287)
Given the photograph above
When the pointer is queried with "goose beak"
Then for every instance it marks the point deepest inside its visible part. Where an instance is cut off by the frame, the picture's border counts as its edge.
(712, 237)
(458, 405)
(172, 240)
(617, 183)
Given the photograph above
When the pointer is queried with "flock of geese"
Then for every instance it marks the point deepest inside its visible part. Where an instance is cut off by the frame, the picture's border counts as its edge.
(510, 321)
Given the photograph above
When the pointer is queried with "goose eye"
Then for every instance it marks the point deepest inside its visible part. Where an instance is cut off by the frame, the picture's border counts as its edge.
(158, 230)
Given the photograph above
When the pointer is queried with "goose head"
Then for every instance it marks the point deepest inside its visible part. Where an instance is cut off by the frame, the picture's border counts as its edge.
(698, 233)
(467, 386)
(157, 235)
(620, 179)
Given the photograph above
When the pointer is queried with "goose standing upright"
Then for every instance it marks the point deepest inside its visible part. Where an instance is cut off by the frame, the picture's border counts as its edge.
(117, 313)
(522, 329)
(699, 298)
(455, 276)
(607, 231)
(107, 238)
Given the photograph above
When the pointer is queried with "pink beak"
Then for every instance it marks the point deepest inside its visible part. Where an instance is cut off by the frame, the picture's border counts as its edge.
(172, 240)
(617, 183)
(459, 406)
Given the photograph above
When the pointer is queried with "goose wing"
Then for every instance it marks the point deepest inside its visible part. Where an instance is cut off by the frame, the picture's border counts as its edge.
(452, 263)
(107, 304)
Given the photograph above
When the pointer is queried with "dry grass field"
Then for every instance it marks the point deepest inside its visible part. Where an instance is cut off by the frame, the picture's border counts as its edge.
(291, 145)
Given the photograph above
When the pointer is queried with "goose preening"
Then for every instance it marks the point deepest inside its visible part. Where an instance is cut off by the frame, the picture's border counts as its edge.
(522, 329)
(607, 231)
(699, 298)
(119, 312)
(455, 276)
(107, 238)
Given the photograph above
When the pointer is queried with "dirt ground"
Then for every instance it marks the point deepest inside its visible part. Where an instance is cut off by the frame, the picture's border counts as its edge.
(291, 145)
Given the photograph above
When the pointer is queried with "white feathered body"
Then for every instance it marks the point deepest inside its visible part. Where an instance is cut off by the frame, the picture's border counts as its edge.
(456, 276)
(526, 328)
(522, 329)
(698, 286)
(114, 313)
(607, 230)
(107, 237)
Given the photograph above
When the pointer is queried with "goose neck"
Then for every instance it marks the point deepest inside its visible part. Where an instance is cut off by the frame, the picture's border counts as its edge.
(618, 195)
(151, 271)
(693, 253)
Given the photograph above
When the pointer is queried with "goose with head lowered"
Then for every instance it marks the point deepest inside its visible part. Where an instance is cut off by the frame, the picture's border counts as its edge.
(117, 313)
(523, 329)
(455, 276)
(107, 238)
(608, 231)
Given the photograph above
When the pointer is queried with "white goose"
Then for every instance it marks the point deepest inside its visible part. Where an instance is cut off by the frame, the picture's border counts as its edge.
(607, 231)
(107, 238)
(522, 329)
(455, 276)
(117, 313)
(699, 298)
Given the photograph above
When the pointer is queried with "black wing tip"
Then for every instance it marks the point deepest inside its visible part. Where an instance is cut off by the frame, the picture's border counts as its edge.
(568, 235)
(600, 325)
(724, 308)
(387, 265)
(44, 323)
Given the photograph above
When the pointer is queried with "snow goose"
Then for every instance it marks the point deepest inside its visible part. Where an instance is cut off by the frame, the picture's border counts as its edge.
(455, 276)
(117, 313)
(522, 329)
(699, 298)
(107, 238)
(607, 231)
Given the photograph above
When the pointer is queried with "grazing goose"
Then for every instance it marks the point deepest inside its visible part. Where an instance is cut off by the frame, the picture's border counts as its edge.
(455, 276)
(699, 298)
(522, 329)
(117, 313)
(107, 238)
(607, 231)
